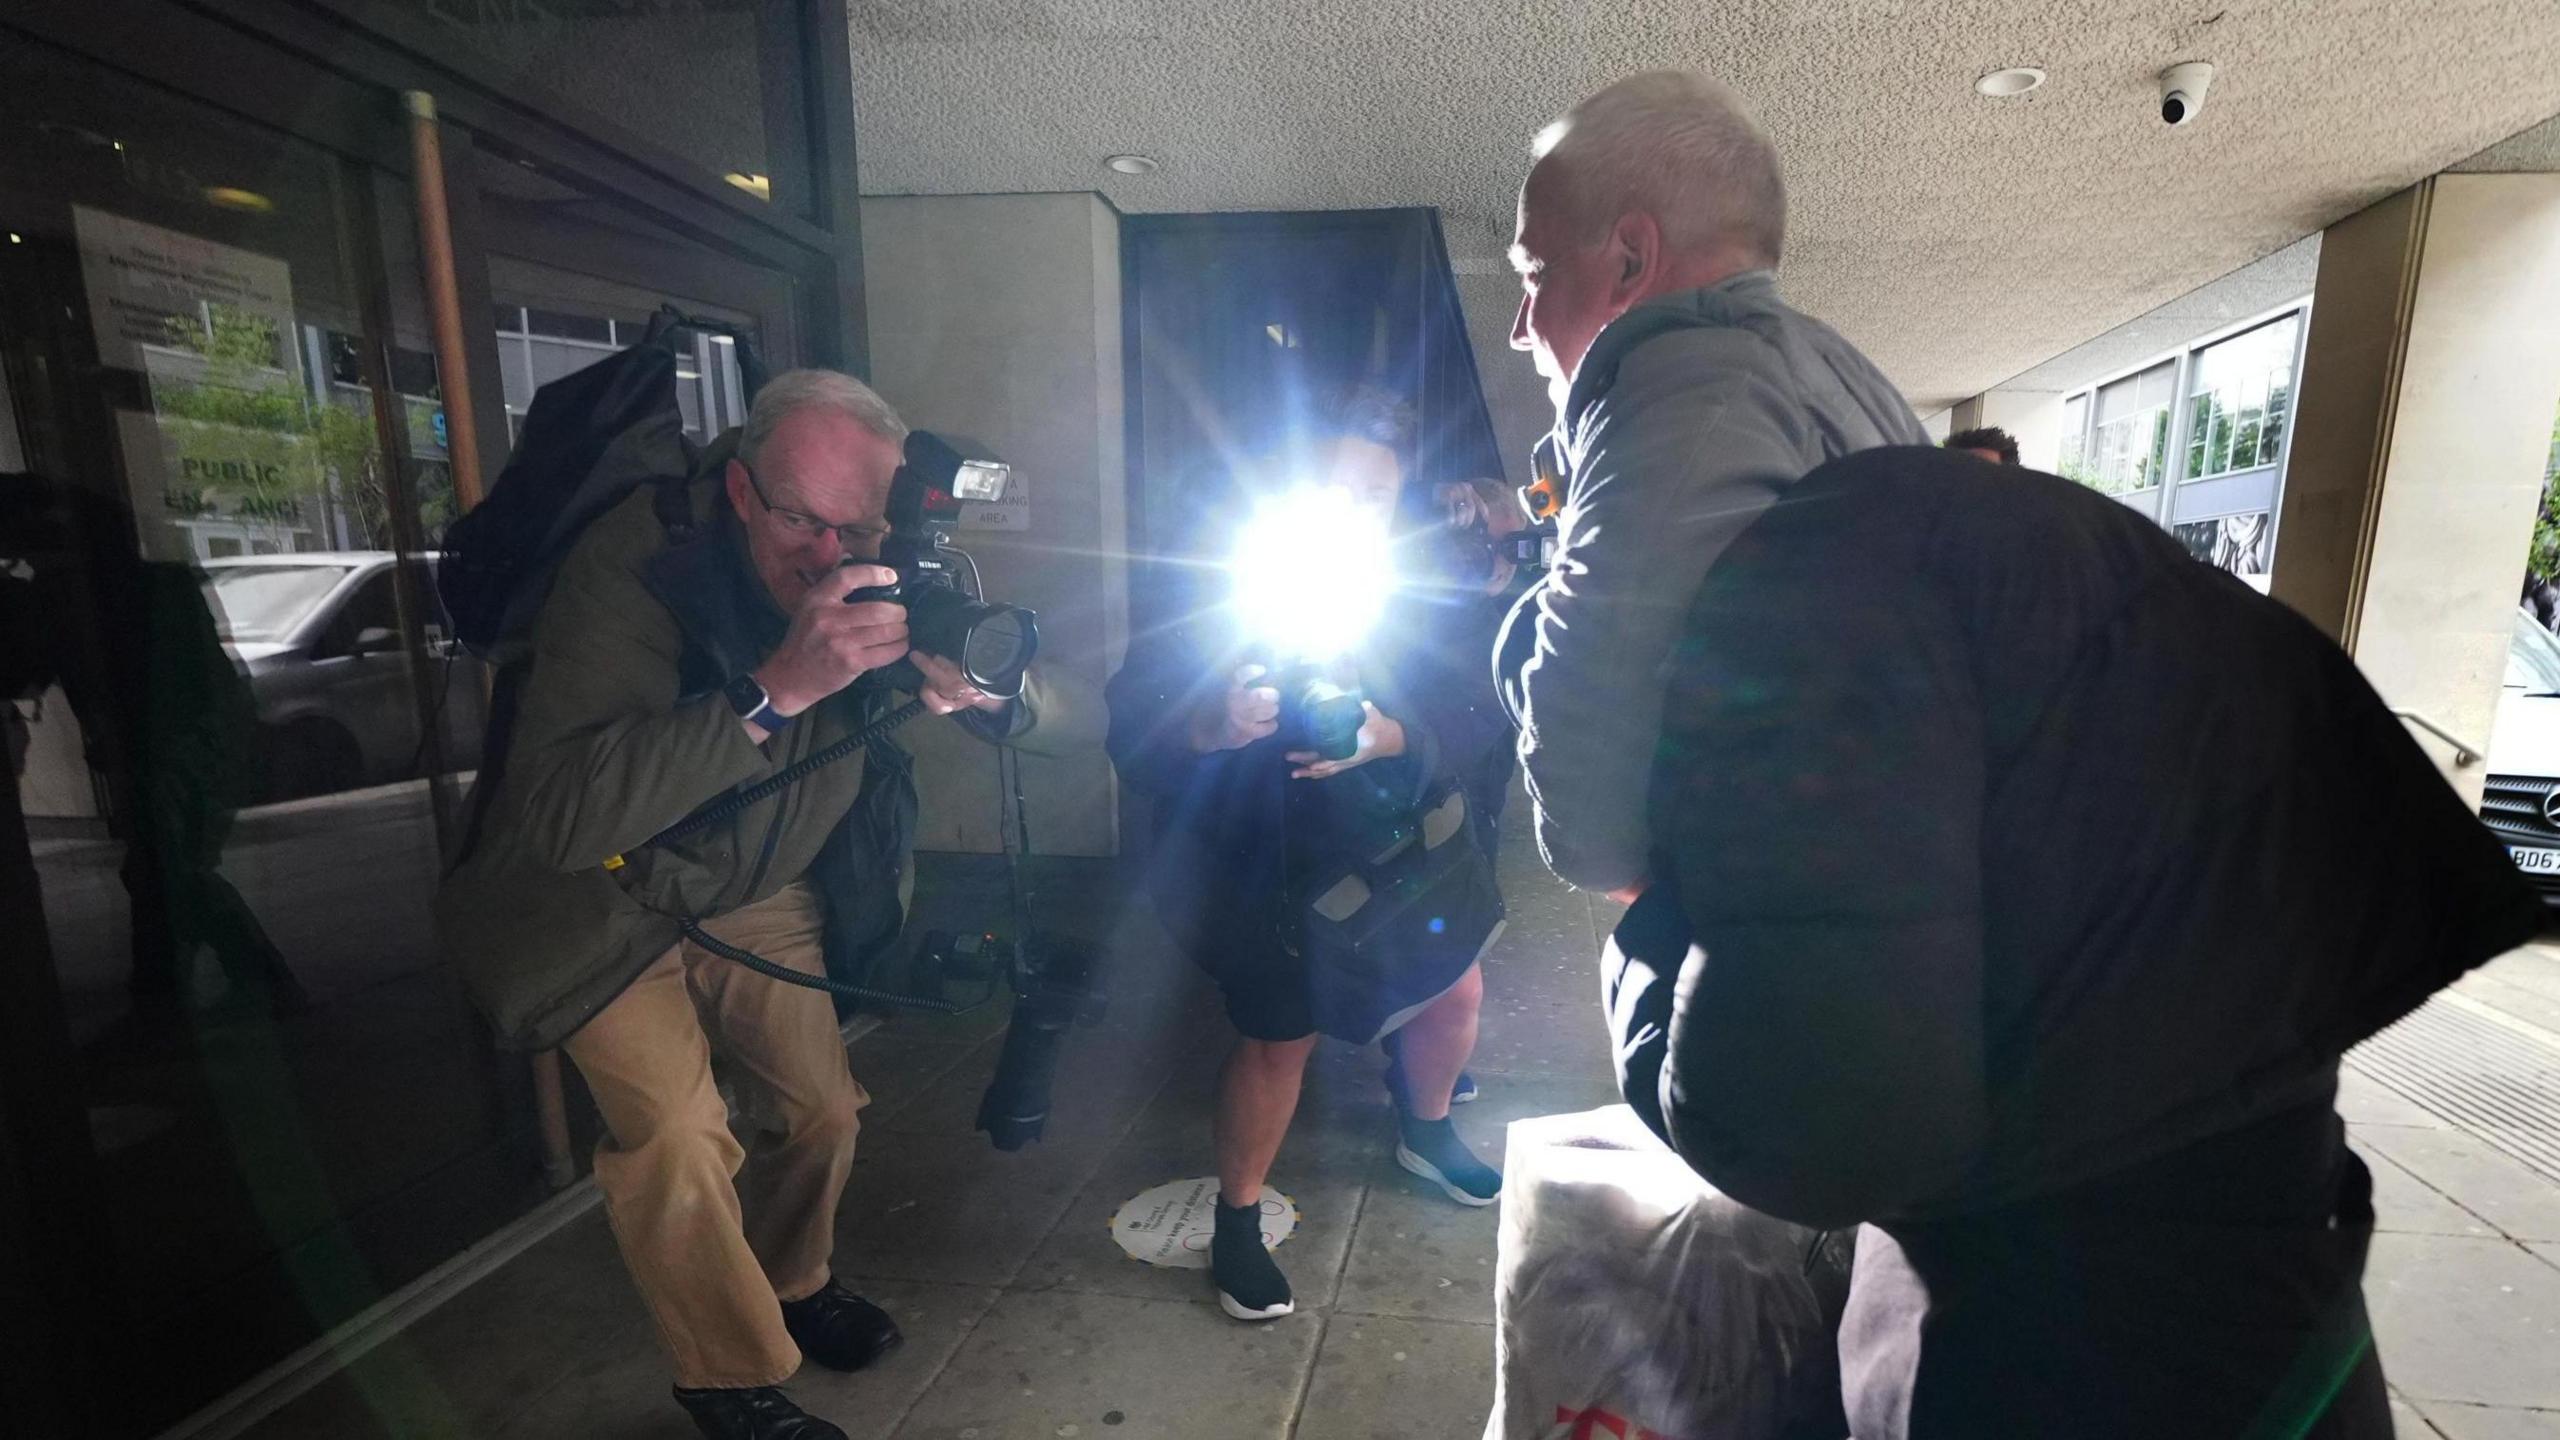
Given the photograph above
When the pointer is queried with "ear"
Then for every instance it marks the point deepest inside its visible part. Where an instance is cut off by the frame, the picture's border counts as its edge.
(1635, 256)
(741, 493)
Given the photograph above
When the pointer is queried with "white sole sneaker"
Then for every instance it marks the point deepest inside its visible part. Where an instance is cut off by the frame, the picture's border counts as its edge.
(1428, 1171)
(1242, 1311)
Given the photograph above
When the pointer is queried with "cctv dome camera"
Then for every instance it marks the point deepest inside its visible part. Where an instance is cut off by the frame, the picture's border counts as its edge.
(2182, 90)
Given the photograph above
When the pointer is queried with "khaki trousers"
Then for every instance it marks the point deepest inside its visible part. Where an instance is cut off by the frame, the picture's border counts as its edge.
(713, 1252)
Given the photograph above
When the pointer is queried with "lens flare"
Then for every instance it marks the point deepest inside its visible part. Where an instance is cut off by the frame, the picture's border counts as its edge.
(1312, 573)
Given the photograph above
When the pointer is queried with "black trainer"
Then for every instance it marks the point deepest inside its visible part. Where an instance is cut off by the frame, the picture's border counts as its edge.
(1432, 1150)
(1250, 1285)
(763, 1413)
(840, 1329)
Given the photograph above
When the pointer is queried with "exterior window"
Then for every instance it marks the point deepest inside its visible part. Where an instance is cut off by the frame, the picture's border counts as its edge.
(536, 347)
(2129, 446)
(2240, 399)
(2075, 439)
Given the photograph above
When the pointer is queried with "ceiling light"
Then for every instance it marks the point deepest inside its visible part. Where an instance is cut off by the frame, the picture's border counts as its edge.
(1132, 164)
(2011, 83)
(760, 186)
(17, 239)
(231, 197)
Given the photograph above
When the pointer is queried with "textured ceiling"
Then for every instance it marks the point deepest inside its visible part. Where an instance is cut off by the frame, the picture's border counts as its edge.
(1961, 241)
(2534, 152)
(2244, 294)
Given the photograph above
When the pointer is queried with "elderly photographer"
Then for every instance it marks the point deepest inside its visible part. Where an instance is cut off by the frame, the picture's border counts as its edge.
(669, 668)
(1252, 827)
(2017, 902)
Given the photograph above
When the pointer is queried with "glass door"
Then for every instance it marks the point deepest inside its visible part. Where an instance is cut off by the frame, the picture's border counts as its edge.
(230, 696)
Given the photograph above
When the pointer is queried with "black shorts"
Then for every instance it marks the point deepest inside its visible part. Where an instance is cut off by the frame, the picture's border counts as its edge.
(1266, 993)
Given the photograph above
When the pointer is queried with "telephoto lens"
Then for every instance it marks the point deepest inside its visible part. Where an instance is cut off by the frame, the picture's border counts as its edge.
(1055, 981)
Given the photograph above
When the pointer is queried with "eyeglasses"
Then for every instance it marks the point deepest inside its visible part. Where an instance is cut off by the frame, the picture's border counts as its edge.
(855, 539)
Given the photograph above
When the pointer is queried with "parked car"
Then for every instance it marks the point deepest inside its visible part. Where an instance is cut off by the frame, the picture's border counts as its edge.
(319, 635)
(2523, 799)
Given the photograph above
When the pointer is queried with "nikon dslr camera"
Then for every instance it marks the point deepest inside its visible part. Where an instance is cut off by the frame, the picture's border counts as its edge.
(993, 644)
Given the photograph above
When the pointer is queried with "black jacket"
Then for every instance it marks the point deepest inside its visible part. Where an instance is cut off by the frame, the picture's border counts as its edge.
(2038, 851)
(1231, 825)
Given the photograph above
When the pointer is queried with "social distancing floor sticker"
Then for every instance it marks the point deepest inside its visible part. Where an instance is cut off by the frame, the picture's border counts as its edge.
(1172, 1223)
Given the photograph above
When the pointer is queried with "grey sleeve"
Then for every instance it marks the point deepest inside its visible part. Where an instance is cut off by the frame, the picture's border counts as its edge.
(1685, 450)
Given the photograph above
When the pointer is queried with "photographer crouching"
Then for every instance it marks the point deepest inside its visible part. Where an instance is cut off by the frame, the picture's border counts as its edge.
(1310, 743)
(679, 656)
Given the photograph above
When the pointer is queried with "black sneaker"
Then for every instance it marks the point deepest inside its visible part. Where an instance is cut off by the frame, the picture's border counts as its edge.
(763, 1413)
(1250, 1285)
(1432, 1150)
(840, 1329)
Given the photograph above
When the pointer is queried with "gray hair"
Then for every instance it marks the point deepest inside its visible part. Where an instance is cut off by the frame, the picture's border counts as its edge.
(1681, 147)
(793, 391)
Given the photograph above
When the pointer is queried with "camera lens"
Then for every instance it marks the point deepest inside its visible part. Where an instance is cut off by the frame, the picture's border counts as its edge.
(999, 649)
(992, 644)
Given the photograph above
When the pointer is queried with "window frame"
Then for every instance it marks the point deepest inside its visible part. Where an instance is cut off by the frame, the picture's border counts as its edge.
(2161, 503)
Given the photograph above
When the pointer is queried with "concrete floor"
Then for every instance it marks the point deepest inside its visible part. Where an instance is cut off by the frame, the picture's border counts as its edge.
(1025, 1322)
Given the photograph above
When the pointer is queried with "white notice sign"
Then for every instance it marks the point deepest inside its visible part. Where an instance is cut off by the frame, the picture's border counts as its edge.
(139, 276)
(1172, 1224)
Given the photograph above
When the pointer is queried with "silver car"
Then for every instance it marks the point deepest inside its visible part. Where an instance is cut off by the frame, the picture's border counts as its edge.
(319, 635)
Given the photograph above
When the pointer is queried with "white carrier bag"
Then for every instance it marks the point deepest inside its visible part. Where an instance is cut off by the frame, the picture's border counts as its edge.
(1635, 1302)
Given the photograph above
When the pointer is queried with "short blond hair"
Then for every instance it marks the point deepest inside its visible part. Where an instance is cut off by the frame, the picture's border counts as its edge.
(793, 391)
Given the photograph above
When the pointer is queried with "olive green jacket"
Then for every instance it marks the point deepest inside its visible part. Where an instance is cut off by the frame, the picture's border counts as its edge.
(621, 730)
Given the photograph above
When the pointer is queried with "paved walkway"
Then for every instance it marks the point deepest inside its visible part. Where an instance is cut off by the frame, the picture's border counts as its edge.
(2464, 1281)
(1025, 1322)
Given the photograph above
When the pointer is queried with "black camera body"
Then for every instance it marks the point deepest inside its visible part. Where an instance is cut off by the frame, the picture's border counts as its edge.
(1057, 984)
(1318, 713)
(1471, 556)
(993, 644)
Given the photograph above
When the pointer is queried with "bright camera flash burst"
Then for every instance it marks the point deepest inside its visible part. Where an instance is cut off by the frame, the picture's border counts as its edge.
(1312, 571)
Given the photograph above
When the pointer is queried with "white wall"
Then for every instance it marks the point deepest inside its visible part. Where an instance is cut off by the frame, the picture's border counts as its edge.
(998, 317)
(2033, 419)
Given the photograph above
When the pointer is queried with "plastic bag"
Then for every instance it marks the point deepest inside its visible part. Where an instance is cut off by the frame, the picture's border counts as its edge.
(1635, 1302)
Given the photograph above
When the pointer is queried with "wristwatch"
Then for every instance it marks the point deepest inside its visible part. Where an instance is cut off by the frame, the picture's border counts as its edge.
(748, 698)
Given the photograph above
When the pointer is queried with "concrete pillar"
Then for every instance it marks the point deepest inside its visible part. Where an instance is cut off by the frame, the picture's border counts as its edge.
(2429, 382)
(998, 317)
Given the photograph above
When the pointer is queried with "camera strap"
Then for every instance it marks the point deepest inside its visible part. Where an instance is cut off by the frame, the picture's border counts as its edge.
(735, 803)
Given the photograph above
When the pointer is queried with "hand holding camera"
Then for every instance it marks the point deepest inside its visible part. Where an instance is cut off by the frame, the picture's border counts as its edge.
(1381, 738)
(1243, 713)
(946, 691)
(831, 643)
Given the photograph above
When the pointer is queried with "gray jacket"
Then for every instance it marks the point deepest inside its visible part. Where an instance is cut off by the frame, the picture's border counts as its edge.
(1686, 418)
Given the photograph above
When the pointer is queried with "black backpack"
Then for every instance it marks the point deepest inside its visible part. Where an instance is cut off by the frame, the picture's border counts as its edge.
(588, 440)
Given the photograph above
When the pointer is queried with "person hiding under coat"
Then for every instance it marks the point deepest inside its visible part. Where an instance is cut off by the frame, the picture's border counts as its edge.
(2015, 903)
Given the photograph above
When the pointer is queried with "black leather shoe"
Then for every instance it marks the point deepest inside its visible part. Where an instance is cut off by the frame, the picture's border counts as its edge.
(840, 1329)
(763, 1413)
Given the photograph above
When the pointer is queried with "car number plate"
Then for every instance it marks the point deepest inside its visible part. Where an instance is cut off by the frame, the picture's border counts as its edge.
(2534, 860)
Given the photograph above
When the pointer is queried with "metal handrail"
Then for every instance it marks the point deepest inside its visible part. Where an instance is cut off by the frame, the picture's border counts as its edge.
(2463, 754)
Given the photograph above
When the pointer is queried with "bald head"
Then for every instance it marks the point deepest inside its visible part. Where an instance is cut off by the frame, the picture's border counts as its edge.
(1661, 183)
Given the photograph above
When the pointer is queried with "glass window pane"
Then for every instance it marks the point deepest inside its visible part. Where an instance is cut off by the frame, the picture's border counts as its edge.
(683, 75)
(515, 373)
(561, 325)
(2247, 380)
(554, 358)
(276, 1066)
